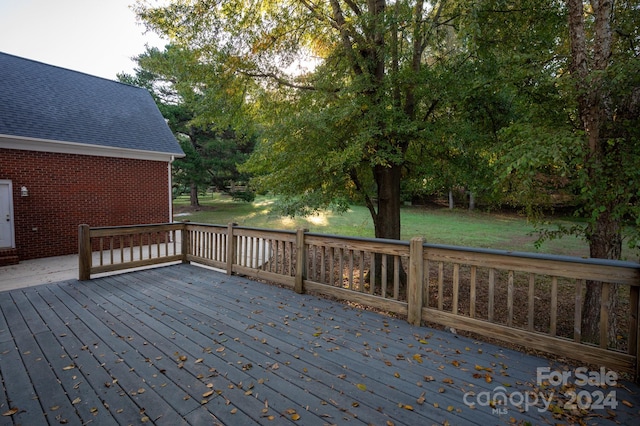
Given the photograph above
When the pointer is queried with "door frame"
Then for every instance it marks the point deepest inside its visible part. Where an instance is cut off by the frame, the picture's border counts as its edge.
(12, 231)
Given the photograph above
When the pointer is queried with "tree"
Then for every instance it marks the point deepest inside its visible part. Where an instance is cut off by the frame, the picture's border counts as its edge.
(604, 69)
(345, 129)
(185, 97)
(575, 87)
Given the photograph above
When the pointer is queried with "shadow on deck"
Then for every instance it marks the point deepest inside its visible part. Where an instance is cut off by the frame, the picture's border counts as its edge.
(185, 345)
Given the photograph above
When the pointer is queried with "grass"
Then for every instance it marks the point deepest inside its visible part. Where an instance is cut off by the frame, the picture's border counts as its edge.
(437, 225)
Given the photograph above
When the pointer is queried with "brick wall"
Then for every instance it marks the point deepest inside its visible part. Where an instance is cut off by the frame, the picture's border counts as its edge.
(67, 190)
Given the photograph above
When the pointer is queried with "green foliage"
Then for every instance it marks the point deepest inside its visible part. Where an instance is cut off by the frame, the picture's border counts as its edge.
(544, 157)
(247, 196)
(451, 94)
(201, 110)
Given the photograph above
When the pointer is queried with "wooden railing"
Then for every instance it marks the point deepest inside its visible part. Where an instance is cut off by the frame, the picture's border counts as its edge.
(528, 299)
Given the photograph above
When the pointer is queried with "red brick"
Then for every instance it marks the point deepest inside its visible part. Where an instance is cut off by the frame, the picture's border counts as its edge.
(66, 190)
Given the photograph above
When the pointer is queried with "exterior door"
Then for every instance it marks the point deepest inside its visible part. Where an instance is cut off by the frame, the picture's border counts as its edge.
(6, 214)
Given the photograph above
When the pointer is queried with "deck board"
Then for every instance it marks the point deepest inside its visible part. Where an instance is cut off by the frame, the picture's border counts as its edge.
(186, 345)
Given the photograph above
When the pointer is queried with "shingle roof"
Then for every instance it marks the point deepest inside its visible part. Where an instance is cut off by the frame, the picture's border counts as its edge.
(42, 101)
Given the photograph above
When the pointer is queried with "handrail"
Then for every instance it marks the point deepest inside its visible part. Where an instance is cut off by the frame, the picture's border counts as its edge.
(489, 292)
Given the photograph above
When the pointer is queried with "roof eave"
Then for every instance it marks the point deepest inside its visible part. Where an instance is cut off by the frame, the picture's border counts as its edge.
(63, 147)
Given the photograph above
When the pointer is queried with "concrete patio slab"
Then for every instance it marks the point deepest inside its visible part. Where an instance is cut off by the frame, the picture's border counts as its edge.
(39, 271)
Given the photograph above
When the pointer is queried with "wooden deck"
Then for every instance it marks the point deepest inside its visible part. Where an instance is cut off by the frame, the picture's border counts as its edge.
(186, 345)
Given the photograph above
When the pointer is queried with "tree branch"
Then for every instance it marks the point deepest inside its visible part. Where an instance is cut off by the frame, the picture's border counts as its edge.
(345, 36)
(353, 174)
(354, 7)
(281, 81)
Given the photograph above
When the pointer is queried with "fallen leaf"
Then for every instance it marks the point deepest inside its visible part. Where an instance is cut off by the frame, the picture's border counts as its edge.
(198, 361)
(11, 412)
(76, 401)
(69, 367)
(234, 410)
(627, 403)
(421, 399)
(361, 386)
(207, 394)
(447, 380)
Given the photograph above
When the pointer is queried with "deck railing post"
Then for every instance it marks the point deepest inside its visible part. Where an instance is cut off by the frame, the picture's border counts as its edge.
(185, 242)
(84, 252)
(301, 262)
(416, 278)
(231, 248)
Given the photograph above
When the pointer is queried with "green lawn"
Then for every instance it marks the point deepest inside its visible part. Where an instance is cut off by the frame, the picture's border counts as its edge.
(442, 226)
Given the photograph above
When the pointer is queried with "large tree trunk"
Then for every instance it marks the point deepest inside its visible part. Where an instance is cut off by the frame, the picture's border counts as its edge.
(605, 242)
(589, 57)
(193, 195)
(387, 221)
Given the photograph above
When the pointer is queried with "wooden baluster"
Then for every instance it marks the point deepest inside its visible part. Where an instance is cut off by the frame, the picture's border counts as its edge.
(510, 300)
(492, 287)
(350, 269)
(531, 302)
(323, 274)
(440, 286)
(372, 273)
(341, 266)
(604, 315)
(396, 277)
(553, 321)
(472, 292)
(361, 281)
(384, 275)
(427, 283)
(456, 288)
(577, 315)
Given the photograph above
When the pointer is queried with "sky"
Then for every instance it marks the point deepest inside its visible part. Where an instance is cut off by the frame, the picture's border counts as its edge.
(97, 37)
